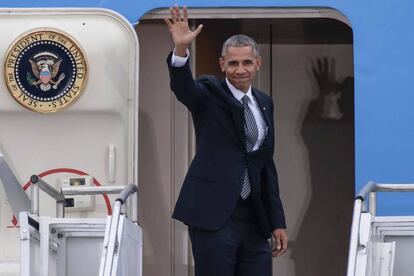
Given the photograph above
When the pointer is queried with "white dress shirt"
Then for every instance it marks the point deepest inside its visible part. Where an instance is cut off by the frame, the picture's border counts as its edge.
(178, 61)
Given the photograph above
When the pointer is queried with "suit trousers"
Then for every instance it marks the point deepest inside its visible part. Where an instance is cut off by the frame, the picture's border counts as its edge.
(236, 249)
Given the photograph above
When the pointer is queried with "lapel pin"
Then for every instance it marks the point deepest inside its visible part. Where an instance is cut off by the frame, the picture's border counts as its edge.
(264, 108)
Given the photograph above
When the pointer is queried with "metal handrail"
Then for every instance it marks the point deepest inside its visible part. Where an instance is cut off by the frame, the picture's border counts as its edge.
(95, 190)
(384, 187)
(47, 188)
(92, 190)
(38, 183)
(110, 244)
(16, 196)
(369, 190)
(123, 191)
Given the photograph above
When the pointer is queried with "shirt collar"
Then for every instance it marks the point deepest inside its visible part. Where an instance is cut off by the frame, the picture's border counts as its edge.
(238, 94)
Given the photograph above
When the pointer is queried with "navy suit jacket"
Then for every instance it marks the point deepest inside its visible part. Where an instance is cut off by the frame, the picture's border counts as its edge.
(213, 183)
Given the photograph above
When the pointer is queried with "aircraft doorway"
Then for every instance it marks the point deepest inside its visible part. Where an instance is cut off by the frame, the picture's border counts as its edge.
(308, 71)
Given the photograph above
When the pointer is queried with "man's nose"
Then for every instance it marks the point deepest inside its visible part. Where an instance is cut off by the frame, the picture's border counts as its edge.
(240, 69)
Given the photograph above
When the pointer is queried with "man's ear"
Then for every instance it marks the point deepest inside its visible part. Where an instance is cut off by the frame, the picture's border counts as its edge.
(258, 62)
(221, 61)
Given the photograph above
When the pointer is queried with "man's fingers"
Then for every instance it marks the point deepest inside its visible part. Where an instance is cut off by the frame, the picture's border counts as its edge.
(277, 248)
(172, 13)
(281, 241)
(284, 242)
(276, 252)
(278, 242)
(177, 13)
(167, 21)
(185, 14)
(178, 26)
(198, 30)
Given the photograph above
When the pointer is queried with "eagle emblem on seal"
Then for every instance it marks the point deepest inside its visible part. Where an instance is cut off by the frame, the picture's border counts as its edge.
(45, 68)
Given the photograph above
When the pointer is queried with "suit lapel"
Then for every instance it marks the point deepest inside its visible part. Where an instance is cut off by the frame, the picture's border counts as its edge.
(236, 109)
(266, 112)
(265, 109)
(227, 101)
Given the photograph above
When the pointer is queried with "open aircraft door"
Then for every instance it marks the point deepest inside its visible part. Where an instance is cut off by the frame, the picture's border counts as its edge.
(69, 115)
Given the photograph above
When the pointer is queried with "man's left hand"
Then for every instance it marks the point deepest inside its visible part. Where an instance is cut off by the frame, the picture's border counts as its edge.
(281, 242)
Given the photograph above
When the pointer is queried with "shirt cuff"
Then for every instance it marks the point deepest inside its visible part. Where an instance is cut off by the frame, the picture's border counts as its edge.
(177, 61)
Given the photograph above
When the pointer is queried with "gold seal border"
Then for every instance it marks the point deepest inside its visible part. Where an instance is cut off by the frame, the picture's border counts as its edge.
(64, 35)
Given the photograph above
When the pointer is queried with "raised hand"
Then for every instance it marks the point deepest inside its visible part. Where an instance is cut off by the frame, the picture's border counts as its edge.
(179, 29)
(327, 103)
(324, 72)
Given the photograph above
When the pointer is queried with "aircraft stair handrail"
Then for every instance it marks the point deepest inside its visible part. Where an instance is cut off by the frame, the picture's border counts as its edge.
(368, 191)
(59, 196)
(111, 244)
(19, 201)
(38, 183)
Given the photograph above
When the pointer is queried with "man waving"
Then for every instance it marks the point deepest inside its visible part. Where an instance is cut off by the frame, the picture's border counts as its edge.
(230, 195)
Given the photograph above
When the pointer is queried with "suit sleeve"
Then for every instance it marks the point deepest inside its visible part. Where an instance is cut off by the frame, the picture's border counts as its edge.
(271, 195)
(188, 91)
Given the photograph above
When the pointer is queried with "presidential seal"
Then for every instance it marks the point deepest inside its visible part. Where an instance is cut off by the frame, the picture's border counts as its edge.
(45, 70)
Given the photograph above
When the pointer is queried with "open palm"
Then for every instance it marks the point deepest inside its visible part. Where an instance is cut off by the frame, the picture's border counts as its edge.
(179, 29)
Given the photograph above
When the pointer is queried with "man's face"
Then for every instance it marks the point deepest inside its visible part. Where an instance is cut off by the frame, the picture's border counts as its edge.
(240, 65)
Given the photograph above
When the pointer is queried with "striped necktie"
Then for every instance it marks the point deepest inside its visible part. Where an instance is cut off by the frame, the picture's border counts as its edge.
(252, 134)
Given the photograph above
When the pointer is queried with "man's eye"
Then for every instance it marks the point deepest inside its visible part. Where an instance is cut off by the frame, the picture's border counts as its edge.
(232, 63)
(248, 62)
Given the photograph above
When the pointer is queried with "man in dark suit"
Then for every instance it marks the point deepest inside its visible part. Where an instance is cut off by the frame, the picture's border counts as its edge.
(230, 196)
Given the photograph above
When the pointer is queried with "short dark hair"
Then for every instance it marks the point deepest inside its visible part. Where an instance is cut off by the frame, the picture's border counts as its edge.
(239, 40)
